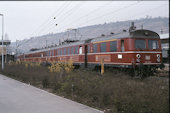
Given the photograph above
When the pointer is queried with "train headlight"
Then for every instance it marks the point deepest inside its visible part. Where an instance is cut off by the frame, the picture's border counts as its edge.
(138, 60)
(138, 55)
(158, 55)
(158, 59)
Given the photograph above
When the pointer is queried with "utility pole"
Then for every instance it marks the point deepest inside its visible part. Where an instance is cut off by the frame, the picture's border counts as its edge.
(46, 50)
(16, 49)
(6, 54)
(2, 41)
(161, 31)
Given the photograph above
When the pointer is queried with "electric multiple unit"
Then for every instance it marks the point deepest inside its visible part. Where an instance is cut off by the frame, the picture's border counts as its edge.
(122, 50)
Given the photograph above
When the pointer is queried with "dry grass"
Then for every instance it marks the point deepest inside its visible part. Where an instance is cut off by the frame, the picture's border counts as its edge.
(114, 92)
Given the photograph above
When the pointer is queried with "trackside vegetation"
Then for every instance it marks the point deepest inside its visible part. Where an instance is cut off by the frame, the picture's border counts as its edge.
(112, 92)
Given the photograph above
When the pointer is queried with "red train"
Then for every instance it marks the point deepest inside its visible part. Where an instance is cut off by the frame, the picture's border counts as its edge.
(127, 49)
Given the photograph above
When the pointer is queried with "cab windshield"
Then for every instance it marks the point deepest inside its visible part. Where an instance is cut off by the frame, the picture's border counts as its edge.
(153, 44)
(140, 44)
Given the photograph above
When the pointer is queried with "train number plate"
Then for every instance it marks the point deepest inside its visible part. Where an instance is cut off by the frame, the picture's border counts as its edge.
(106, 58)
(147, 57)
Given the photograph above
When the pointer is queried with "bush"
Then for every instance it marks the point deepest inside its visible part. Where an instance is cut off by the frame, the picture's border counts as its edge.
(45, 82)
(113, 92)
(61, 67)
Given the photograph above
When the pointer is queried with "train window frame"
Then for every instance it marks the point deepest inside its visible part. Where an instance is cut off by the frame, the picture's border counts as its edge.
(103, 47)
(151, 44)
(95, 48)
(137, 46)
(113, 46)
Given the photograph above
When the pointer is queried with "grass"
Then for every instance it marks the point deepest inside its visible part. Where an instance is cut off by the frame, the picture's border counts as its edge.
(114, 92)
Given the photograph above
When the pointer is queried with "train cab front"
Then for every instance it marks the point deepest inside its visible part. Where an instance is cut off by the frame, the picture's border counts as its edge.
(147, 48)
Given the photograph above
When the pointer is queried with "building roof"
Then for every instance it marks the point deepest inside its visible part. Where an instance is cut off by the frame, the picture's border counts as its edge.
(164, 36)
(5, 42)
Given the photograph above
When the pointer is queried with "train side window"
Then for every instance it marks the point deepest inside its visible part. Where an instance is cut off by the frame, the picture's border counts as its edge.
(153, 44)
(103, 47)
(64, 51)
(76, 50)
(58, 51)
(80, 50)
(122, 46)
(68, 51)
(88, 48)
(47, 53)
(61, 51)
(94, 48)
(113, 46)
(55, 52)
(72, 50)
(140, 44)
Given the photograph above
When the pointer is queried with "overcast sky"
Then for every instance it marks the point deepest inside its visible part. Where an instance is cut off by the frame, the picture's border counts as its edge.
(24, 19)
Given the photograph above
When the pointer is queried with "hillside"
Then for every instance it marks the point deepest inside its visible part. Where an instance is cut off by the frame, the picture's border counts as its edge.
(155, 24)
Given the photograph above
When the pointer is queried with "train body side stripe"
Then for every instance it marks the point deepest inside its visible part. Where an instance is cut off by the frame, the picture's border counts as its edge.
(127, 52)
(104, 53)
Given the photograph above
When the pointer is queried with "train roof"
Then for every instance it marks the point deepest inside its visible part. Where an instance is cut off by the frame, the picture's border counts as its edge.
(59, 46)
(135, 34)
(142, 33)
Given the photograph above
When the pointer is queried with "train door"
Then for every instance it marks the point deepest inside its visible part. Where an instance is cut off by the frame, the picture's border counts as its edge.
(85, 59)
(122, 46)
(80, 50)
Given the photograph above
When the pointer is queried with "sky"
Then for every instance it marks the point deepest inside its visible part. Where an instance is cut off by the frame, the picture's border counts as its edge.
(25, 19)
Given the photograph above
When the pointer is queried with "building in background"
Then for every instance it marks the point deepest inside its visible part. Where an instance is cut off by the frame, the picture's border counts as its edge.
(6, 51)
(165, 47)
